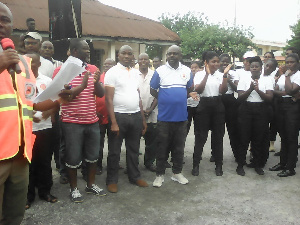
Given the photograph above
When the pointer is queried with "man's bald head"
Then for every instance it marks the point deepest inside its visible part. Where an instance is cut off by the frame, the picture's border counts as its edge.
(47, 50)
(174, 56)
(6, 21)
(174, 48)
(126, 56)
(108, 63)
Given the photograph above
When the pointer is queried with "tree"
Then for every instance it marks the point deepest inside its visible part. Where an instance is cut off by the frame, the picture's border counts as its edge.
(295, 41)
(198, 35)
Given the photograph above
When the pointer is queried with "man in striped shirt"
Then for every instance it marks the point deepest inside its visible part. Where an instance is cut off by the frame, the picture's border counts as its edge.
(80, 122)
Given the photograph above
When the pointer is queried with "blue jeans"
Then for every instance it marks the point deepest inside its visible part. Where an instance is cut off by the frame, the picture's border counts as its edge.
(82, 141)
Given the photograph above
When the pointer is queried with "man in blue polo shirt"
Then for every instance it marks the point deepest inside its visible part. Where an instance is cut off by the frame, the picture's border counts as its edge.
(170, 84)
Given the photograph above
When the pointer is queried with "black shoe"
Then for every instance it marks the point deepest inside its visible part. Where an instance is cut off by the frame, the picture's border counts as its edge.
(195, 171)
(240, 171)
(152, 168)
(259, 171)
(250, 165)
(168, 165)
(212, 159)
(28, 204)
(63, 179)
(219, 171)
(277, 167)
(277, 154)
(286, 173)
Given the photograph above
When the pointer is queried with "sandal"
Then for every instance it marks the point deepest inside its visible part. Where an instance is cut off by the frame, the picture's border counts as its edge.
(49, 198)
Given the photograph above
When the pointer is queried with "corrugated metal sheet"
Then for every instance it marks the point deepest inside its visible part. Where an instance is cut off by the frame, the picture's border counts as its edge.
(97, 20)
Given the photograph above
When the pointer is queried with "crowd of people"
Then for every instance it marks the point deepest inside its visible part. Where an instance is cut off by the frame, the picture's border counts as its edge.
(127, 101)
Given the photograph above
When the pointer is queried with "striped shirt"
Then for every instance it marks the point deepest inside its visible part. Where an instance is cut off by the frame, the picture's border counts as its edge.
(82, 109)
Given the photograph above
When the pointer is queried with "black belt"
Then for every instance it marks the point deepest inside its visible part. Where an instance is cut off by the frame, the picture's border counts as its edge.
(128, 114)
(287, 99)
(254, 103)
(212, 98)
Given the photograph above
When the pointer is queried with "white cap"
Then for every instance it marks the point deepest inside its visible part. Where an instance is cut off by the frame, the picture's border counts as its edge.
(248, 55)
(34, 35)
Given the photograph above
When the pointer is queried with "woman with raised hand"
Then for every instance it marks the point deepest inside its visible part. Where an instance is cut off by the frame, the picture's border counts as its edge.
(230, 104)
(287, 89)
(254, 94)
(210, 111)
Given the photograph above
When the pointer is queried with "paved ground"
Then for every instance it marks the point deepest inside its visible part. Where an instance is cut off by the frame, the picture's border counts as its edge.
(207, 199)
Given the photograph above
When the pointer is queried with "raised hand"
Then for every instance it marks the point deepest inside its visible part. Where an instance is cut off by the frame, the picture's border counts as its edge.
(97, 76)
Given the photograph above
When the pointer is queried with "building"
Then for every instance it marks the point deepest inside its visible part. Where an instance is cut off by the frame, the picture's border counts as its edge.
(106, 27)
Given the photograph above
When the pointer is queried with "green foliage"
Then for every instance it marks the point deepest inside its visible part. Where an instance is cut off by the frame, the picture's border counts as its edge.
(295, 41)
(198, 35)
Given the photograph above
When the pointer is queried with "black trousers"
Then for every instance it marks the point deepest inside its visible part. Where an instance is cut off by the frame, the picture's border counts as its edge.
(191, 116)
(104, 130)
(210, 116)
(130, 126)
(231, 120)
(56, 126)
(171, 135)
(40, 171)
(274, 121)
(150, 144)
(253, 123)
(288, 123)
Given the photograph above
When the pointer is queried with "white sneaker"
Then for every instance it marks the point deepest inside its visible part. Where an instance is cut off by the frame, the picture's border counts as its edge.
(179, 178)
(158, 181)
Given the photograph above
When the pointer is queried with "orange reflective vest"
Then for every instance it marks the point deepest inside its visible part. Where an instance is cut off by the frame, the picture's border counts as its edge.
(16, 110)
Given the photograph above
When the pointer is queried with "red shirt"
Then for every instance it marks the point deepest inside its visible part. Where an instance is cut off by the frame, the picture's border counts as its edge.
(82, 109)
(101, 107)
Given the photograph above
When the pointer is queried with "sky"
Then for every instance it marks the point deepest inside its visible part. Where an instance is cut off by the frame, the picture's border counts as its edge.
(268, 19)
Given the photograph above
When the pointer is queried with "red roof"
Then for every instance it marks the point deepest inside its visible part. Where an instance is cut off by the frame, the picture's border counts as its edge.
(97, 20)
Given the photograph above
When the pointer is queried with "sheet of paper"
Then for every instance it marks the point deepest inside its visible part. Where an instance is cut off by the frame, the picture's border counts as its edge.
(68, 71)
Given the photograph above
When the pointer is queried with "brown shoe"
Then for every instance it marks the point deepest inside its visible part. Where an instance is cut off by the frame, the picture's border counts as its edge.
(141, 183)
(113, 188)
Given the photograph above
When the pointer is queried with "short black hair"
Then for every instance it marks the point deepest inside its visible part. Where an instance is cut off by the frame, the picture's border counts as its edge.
(29, 19)
(274, 61)
(255, 59)
(293, 49)
(224, 55)
(293, 55)
(208, 55)
(271, 53)
(199, 63)
(75, 43)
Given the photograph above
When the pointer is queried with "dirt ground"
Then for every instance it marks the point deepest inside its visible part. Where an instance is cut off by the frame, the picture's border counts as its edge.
(207, 199)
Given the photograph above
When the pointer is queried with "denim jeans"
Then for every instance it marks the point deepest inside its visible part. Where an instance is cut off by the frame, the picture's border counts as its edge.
(82, 142)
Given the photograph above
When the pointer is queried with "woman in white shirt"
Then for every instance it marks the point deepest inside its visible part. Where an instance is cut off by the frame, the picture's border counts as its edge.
(210, 111)
(287, 89)
(254, 93)
(230, 104)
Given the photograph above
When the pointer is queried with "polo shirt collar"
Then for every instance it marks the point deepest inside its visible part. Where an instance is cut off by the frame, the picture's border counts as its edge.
(179, 67)
(123, 67)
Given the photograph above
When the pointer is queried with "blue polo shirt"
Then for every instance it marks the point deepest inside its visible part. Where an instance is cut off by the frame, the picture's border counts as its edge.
(172, 85)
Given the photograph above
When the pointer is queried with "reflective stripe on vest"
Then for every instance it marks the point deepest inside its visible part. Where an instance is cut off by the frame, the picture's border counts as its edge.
(27, 112)
(8, 102)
